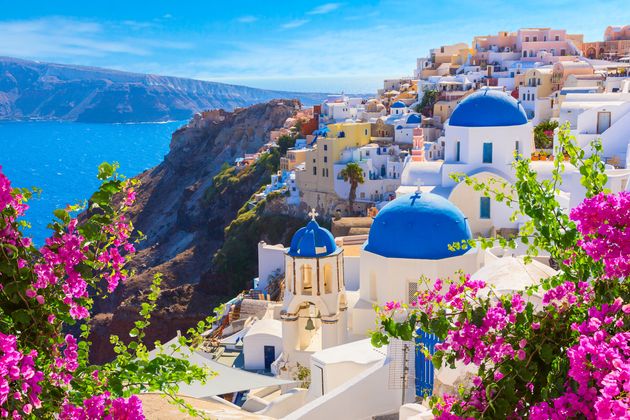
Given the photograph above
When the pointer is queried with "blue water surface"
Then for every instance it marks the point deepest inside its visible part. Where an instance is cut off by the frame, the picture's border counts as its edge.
(61, 159)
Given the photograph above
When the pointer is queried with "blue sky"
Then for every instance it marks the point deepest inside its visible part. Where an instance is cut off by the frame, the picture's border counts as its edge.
(300, 45)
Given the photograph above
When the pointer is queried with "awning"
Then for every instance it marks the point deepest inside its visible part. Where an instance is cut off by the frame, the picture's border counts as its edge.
(227, 379)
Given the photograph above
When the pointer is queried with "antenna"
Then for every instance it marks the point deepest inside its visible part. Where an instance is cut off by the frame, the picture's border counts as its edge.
(401, 370)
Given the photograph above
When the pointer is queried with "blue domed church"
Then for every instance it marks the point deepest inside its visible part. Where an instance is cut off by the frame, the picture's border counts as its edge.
(418, 234)
(486, 132)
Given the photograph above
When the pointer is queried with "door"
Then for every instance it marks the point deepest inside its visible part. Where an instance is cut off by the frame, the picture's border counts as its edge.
(270, 356)
(603, 122)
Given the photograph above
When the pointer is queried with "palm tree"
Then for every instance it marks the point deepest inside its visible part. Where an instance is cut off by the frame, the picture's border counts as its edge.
(353, 174)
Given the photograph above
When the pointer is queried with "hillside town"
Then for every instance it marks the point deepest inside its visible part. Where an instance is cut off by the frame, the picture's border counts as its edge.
(386, 173)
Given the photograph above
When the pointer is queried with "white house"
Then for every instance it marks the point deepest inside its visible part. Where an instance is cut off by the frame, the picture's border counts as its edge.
(262, 344)
(382, 167)
(600, 115)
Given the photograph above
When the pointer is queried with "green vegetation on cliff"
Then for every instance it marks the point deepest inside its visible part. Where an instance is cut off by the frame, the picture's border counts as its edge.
(237, 260)
(235, 264)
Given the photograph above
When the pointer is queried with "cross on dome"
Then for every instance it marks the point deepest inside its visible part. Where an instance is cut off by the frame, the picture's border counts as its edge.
(313, 214)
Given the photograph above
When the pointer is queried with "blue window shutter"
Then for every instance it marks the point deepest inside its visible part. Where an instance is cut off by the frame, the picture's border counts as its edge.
(487, 153)
(484, 208)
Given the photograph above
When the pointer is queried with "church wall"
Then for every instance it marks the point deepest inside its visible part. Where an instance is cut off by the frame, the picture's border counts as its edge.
(393, 277)
(469, 202)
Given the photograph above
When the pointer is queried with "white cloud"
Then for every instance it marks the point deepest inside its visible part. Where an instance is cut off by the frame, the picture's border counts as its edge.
(324, 8)
(247, 19)
(61, 38)
(294, 24)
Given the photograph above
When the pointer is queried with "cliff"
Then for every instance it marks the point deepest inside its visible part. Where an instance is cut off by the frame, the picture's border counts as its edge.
(201, 232)
(31, 90)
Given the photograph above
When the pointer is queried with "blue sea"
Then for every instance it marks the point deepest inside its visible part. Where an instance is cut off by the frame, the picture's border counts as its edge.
(61, 159)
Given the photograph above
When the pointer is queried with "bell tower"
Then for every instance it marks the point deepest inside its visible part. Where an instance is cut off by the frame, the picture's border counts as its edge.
(314, 313)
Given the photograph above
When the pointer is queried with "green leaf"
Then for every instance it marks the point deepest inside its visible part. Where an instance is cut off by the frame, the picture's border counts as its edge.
(62, 215)
(21, 316)
(105, 170)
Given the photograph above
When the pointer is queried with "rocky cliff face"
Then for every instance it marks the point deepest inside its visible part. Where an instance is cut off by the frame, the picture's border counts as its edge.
(32, 90)
(185, 224)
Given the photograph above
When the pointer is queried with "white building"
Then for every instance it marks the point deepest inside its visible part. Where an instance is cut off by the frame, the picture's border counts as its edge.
(382, 167)
(600, 115)
(399, 108)
(262, 344)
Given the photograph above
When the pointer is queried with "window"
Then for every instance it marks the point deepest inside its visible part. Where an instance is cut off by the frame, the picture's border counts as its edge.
(328, 278)
(545, 38)
(517, 147)
(412, 293)
(523, 96)
(535, 39)
(325, 159)
(458, 151)
(325, 147)
(563, 52)
(307, 278)
(539, 81)
(366, 131)
(487, 153)
(557, 38)
(484, 207)
(314, 170)
(526, 39)
(524, 53)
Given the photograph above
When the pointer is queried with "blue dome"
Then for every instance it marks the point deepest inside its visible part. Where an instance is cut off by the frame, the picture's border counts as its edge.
(312, 241)
(414, 119)
(418, 226)
(488, 108)
(399, 104)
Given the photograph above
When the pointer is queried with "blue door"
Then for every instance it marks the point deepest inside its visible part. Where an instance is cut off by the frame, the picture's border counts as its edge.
(424, 367)
(270, 356)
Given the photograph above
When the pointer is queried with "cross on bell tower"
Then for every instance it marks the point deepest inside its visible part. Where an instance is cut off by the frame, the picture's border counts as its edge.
(313, 214)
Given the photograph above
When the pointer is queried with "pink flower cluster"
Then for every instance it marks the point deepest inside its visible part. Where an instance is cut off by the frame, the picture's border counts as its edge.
(603, 220)
(454, 296)
(62, 254)
(103, 407)
(471, 342)
(19, 379)
(9, 234)
(561, 297)
(392, 306)
(64, 366)
(599, 367)
(111, 256)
